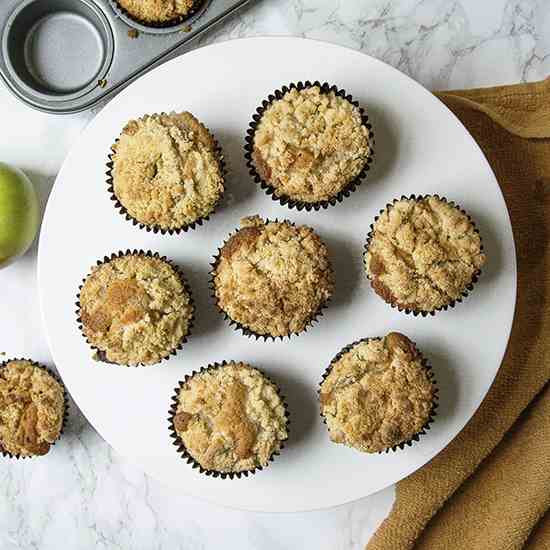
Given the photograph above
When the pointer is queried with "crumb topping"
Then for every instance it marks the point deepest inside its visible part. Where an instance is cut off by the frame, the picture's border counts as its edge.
(32, 405)
(423, 254)
(273, 277)
(377, 394)
(135, 309)
(231, 418)
(157, 11)
(166, 171)
(310, 145)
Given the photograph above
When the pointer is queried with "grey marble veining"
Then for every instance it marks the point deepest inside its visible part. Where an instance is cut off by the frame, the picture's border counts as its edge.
(82, 495)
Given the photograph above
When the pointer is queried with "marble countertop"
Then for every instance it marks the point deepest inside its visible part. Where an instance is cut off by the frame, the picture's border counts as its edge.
(84, 496)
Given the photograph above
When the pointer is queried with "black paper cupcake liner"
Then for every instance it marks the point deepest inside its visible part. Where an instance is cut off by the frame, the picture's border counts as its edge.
(268, 187)
(156, 228)
(239, 326)
(181, 448)
(452, 303)
(430, 374)
(101, 355)
(198, 8)
(55, 376)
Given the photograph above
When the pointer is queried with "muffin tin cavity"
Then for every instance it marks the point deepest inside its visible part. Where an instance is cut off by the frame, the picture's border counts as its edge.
(57, 49)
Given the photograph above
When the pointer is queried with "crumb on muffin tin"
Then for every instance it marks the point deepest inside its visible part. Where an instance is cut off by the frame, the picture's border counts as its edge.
(377, 394)
(135, 309)
(167, 171)
(272, 278)
(423, 253)
(32, 408)
(310, 144)
(230, 418)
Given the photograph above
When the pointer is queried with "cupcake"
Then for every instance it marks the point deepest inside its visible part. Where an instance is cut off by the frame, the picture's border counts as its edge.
(310, 145)
(423, 254)
(272, 279)
(32, 409)
(135, 309)
(378, 394)
(229, 419)
(166, 172)
(158, 12)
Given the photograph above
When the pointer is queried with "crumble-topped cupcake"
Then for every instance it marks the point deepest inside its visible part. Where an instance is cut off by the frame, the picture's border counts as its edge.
(423, 254)
(157, 11)
(135, 308)
(230, 418)
(167, 171)
(310, 144)
(272, 278)
(32, 407)
(377, 394)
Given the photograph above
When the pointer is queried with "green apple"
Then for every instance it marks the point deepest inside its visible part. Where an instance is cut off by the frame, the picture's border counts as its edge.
(19, 213)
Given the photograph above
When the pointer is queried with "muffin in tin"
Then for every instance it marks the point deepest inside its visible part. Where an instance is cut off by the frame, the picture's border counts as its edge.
(32, 409)
(230, 419)
(272, 278)
(135, 309)
(378, 394)
(310, 144)
(158, 12)
(166, 171)
(423, 254)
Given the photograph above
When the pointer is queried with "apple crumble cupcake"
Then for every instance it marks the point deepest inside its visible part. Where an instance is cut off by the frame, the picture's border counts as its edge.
(423, 254)
(228, 420)
(166, 172)
(310, 145)
(272, 279)
(159, 13)
(378, 394)
(33, 408)
(135, 308)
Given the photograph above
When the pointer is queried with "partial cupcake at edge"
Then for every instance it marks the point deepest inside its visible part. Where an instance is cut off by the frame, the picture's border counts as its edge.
(166, 172)
(33, 409)
(159, 13)
(378, 394)
(135, 308)
(272, 279)
(228, 420)
(309, 146)
(423, 254)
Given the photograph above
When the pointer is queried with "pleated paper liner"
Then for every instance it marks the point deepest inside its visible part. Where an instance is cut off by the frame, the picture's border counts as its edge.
(452, 303)
(157, 228)
(101, 355)
(430, 374)
(182, 450)
(198, 7)
(244, 329)
(267, 186)
(56, 377)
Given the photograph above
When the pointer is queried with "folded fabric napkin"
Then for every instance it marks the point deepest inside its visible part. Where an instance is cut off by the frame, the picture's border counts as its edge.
(490, 487)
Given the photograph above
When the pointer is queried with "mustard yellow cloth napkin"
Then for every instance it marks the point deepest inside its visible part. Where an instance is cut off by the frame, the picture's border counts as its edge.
(490, 487)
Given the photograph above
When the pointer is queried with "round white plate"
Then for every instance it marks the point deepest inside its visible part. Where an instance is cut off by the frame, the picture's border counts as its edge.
(420, 148)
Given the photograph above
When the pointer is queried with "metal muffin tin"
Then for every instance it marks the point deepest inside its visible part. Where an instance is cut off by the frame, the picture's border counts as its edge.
(64, 56)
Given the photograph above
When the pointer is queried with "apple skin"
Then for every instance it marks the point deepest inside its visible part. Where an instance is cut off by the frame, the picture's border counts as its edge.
(19, 214)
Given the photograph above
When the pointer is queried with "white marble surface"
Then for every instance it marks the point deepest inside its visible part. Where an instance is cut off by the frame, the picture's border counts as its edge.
(82, 495)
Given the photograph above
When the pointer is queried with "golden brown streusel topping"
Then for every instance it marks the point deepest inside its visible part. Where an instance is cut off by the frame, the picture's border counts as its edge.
(135, 309)
(273, 277)
(231, 418)
(377, 394)
(166, 171)
(32, 406)
(309, 145)
(157, 11)
(423, 254)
